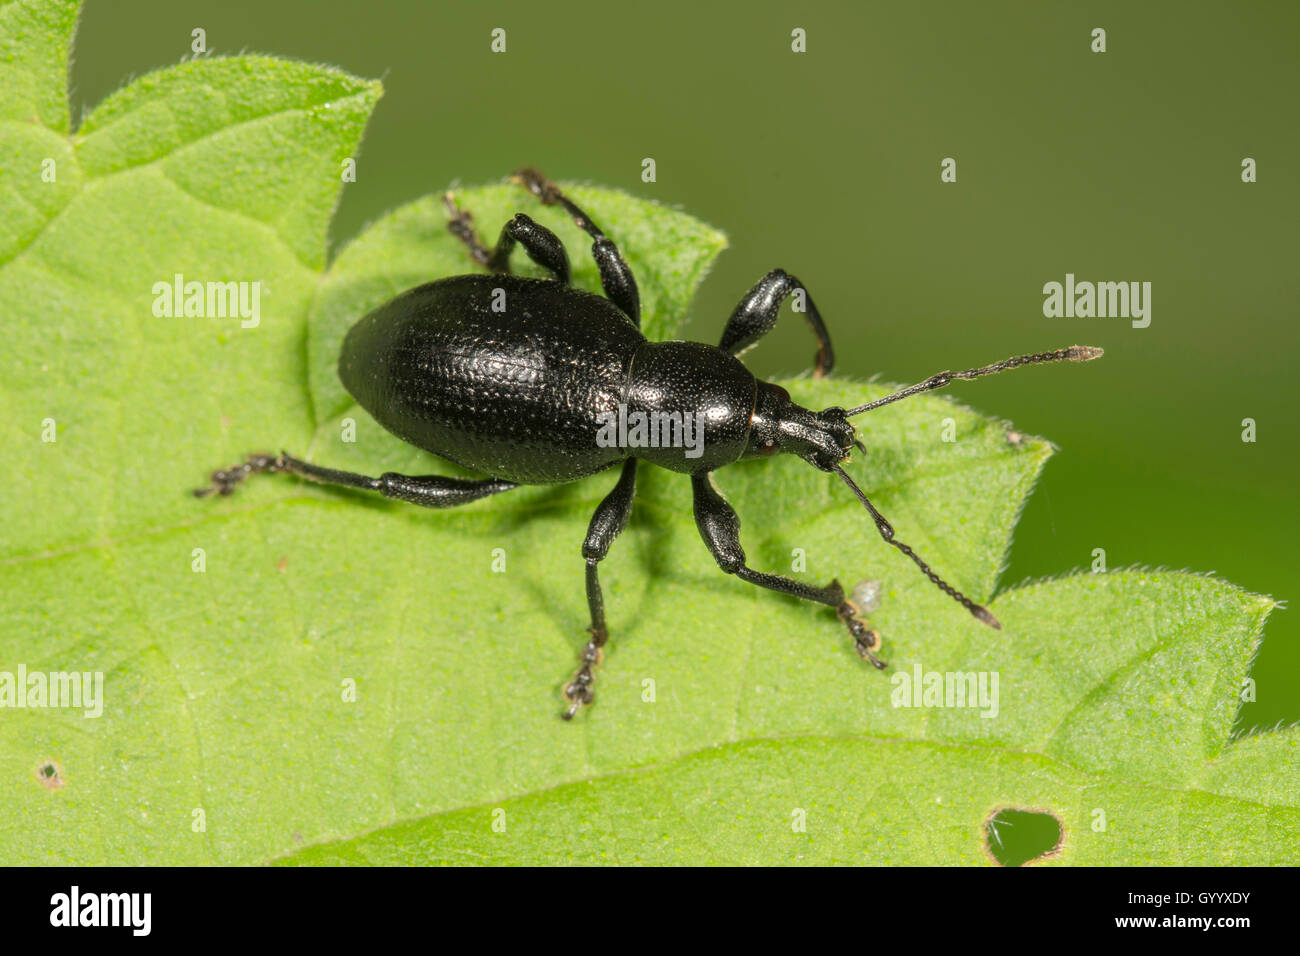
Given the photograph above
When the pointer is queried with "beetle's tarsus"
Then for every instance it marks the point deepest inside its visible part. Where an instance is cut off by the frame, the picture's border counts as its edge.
(460, 223)
(579, 691)
(537, 184)
(226, 480)
(865, 640)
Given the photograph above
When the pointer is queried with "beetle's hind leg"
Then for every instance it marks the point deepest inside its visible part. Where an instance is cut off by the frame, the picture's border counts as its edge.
(430, 491)
(720, 528)
(606, 525)
(615, 275)
(542, 245)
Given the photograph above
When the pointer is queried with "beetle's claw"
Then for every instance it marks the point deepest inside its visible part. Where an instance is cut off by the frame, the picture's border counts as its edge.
(579, 694)
(578, 691)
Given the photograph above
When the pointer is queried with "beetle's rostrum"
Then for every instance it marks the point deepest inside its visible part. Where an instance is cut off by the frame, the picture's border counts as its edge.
(515, 378)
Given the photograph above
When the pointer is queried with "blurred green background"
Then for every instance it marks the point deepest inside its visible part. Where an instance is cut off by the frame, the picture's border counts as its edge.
(1118, 166)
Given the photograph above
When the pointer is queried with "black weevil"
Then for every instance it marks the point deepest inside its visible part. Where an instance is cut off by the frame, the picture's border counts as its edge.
(521, 380)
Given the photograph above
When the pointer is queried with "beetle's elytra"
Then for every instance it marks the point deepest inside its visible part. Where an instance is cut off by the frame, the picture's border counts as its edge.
(526, 394)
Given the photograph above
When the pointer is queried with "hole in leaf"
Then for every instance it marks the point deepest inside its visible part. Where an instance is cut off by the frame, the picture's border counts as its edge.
(1015, 837)
(47, 773)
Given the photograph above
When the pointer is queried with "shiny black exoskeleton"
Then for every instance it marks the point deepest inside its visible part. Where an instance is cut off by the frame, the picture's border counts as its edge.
(531, 381)
(517, 393)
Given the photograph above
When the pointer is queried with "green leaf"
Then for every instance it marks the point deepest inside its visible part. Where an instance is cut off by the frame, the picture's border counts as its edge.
(225, 691)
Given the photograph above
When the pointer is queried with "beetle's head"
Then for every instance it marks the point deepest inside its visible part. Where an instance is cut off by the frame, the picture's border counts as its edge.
(778, 425)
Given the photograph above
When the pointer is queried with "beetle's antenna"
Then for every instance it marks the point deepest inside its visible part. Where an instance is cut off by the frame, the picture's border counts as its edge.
(887, 532)
(1075, 353)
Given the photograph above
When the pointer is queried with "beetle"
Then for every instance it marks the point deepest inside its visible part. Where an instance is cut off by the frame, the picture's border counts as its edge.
(519, 379)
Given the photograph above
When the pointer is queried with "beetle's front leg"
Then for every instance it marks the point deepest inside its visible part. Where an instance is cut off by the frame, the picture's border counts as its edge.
(606, 524)
(756, 314)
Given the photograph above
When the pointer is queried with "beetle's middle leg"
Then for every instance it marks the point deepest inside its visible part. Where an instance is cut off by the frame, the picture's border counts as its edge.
(720, 528)
(542, 245)
(615, 275)
(431, 491)
(606, 525)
